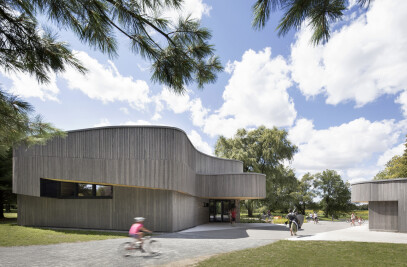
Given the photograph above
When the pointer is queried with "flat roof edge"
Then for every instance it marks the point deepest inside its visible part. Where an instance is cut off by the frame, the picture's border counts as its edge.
(381, 181)
(233, 173)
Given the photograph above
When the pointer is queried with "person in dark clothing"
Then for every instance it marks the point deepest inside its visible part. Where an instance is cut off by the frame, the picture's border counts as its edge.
(292, 218)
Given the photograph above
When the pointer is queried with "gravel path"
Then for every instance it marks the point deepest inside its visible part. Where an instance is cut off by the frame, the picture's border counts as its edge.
(177, 248)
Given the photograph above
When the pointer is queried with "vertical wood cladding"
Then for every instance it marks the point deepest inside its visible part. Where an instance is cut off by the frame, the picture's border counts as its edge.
(387, 203)
(383, 215)
(156, 173)
(150, 157)
(165, 211)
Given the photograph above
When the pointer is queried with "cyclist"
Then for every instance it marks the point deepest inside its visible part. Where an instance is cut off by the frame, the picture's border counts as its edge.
(137, 229)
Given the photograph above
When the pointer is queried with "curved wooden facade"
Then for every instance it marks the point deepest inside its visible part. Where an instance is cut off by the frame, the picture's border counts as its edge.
(161, 160)
(387, 201)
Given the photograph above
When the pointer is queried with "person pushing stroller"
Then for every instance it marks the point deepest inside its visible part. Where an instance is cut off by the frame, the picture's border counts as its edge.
(293, 222)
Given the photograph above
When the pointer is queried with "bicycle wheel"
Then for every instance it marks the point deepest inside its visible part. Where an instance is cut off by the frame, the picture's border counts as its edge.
(153, 247)
(126, 249)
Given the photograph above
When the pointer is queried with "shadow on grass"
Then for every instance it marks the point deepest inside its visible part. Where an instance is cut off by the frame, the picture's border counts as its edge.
(11, 221)
(85, 232)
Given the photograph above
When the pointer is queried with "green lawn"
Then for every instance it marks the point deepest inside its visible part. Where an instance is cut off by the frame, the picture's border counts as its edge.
(315, 253)
(13, 235)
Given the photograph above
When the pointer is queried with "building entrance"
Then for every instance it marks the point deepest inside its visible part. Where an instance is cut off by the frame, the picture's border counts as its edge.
(219, 210)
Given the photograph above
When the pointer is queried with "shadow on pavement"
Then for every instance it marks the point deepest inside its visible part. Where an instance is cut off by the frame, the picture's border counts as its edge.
(229, 233)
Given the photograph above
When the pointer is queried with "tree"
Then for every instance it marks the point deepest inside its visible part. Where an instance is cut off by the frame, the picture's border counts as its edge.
(179, 51)
(395, 168)
(281, 184)
(17, 127)
(304, 194)
(319, 14)
(6, 163)
(262, 150)
(334, 192)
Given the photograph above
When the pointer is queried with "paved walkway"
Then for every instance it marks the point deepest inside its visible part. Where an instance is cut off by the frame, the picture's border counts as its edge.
(358, 234)
(184, 247)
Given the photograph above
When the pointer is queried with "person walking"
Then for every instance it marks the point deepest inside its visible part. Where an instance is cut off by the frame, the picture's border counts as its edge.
(352, 219)
(233, 216)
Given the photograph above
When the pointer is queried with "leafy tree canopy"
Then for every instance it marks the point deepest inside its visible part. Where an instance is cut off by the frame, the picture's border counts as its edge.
(304, 194)
(179, 52)
(17, 125)
(334, 192)
(319, 14)
(395, 168)
(263, 150)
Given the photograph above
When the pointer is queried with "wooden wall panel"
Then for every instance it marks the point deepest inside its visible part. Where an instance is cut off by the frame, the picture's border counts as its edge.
(188, 211)
(152, 157)
(383, 215)
(233, 186)
(165, 211)
(381, 196)
(141, 158)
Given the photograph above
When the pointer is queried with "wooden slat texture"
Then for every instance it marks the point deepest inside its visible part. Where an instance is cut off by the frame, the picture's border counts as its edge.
(145, 157)
(383, 215)
(387, 203)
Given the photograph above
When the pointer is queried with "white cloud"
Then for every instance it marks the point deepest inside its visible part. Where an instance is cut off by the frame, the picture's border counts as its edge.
(347, 147)
(105, 83)
(180, 104)
(199, 144)
(255, 95)
(138, 122)
(103, 122)
(25, 85)
(355, 175)
(195, 8)
(389, 154)
(362, 61)
(229, 67)
(124, 110)
(402, 100)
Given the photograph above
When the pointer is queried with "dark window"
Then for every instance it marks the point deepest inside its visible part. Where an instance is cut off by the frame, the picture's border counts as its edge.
(85, 190)
(103, 190)
(51, 188)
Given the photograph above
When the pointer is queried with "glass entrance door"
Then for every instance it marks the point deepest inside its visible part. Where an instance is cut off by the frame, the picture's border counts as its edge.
(219, 210)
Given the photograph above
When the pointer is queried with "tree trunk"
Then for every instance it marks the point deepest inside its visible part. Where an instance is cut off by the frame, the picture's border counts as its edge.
(250, 210)
(1, 205)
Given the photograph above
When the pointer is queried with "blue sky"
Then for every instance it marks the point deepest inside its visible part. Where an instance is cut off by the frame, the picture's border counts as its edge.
(343, 103)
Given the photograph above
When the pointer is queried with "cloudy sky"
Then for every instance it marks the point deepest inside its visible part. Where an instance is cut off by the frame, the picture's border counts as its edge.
(343, 103)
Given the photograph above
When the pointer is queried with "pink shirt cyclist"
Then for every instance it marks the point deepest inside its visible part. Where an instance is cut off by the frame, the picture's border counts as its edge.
(137, 229)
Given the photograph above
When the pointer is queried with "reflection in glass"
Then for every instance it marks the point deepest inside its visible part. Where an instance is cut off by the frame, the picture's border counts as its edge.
(85, 190)
(103, 191)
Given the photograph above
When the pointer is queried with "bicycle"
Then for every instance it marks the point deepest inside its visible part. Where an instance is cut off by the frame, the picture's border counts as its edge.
(150, 246)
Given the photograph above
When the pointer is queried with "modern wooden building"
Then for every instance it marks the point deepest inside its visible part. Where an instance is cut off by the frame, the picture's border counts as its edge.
(387, 203)
(102, 178)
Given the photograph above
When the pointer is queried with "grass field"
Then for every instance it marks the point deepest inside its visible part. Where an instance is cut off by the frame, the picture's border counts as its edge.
(314, 253)
(13, 235)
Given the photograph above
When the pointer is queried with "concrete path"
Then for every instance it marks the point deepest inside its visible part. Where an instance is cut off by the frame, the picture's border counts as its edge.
(358, 234)
(178, 249)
